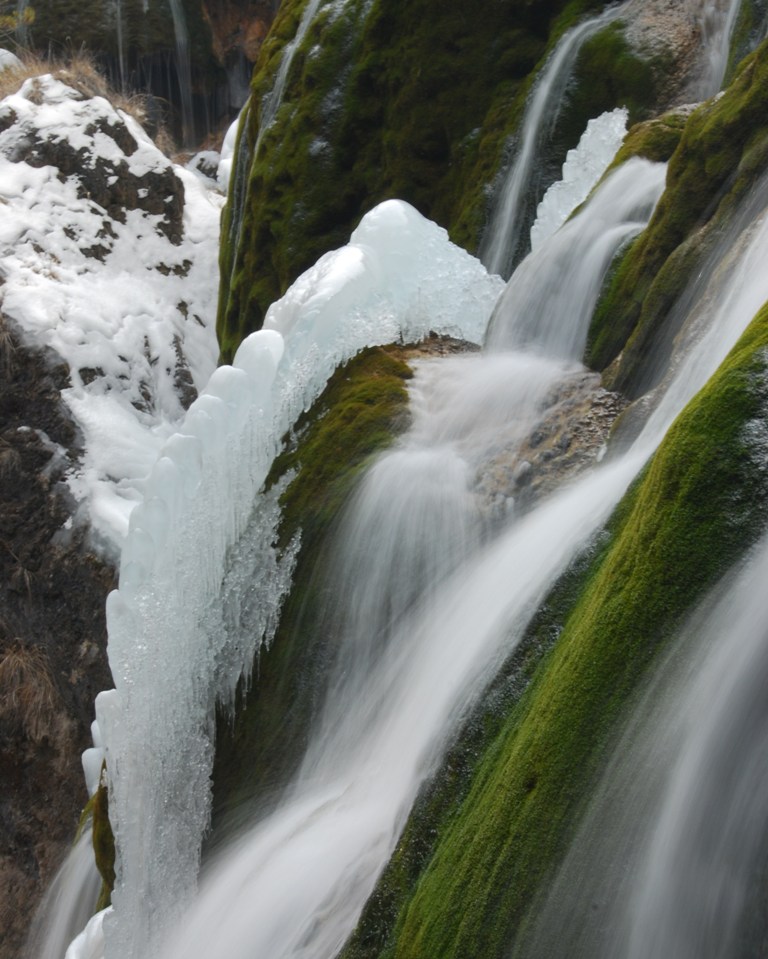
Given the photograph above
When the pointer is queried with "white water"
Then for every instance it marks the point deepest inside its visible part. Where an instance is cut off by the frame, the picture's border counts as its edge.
(504, 230)
(562, 278)
(68, 903)
(120, 43)
(717, 20)
(669, 859)
(706, 850)
(271, 102)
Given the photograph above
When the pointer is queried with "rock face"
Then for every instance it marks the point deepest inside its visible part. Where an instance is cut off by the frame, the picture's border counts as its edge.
(52, 634)
(239, 26)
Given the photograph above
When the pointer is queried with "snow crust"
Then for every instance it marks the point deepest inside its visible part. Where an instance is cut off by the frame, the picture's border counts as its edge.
(176, 640)
(583, 167)
(123, 322)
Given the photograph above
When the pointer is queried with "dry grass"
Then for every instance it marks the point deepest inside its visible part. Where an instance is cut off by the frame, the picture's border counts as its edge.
(79, 71)
(27, 690)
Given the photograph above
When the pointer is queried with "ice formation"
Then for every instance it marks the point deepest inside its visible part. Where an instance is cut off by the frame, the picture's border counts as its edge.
(583, 167)
(174, 646)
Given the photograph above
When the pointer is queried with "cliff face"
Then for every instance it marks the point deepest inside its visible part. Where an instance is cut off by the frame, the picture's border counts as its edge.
(52, 639)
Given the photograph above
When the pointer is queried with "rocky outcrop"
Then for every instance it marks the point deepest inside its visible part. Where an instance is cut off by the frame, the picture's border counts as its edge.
(52, 634)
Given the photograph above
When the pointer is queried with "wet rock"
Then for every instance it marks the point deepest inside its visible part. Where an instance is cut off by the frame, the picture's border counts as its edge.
(569, 438)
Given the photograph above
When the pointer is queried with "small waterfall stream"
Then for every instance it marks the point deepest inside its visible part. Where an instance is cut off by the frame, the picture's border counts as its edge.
(505, 230)
(670, 859)
(717, 19)
(68, 903)
(272, 100)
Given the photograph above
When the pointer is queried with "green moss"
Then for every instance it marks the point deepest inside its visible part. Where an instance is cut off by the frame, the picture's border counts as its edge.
(698, 506)
(722, 151)
(655, 139)
(358, 415)
(97, 812)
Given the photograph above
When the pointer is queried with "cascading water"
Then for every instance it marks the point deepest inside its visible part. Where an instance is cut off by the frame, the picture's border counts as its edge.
(120, 35)
(272, 100)
(563, 276)
(296, 885)
(670, 859)
(68, 903)
(170, 619)
(717, 21)
(645, 876)
(504, 235)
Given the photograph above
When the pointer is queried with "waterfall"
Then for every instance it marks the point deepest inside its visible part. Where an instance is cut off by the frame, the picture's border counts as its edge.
(120, 44)
(706, 851)
(68, 903)
(503, 236)
(183, 71)
(717, 20)
(272, 100)
(171, 650)
(22, 33)
(563, 276)
(670, 860)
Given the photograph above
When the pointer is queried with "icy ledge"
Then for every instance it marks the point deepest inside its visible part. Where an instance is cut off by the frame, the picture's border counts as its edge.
(583, 167)
(172, 645)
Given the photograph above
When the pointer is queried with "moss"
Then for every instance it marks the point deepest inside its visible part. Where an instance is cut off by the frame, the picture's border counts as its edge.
(103, 840)
(655, 139)
(723, 149)
(359, 124)
(362, 408)
(698, 506)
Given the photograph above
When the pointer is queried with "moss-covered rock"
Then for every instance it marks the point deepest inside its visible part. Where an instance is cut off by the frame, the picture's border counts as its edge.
(359, 413)
(722, 152)
(96, 814)
(389, 100)
(699, 505)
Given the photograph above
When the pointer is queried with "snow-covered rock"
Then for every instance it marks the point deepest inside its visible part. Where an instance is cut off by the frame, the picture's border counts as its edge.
(108, 256)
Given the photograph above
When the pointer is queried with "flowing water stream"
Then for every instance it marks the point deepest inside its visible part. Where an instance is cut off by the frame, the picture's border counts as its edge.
(503, 236)
(670, 860)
